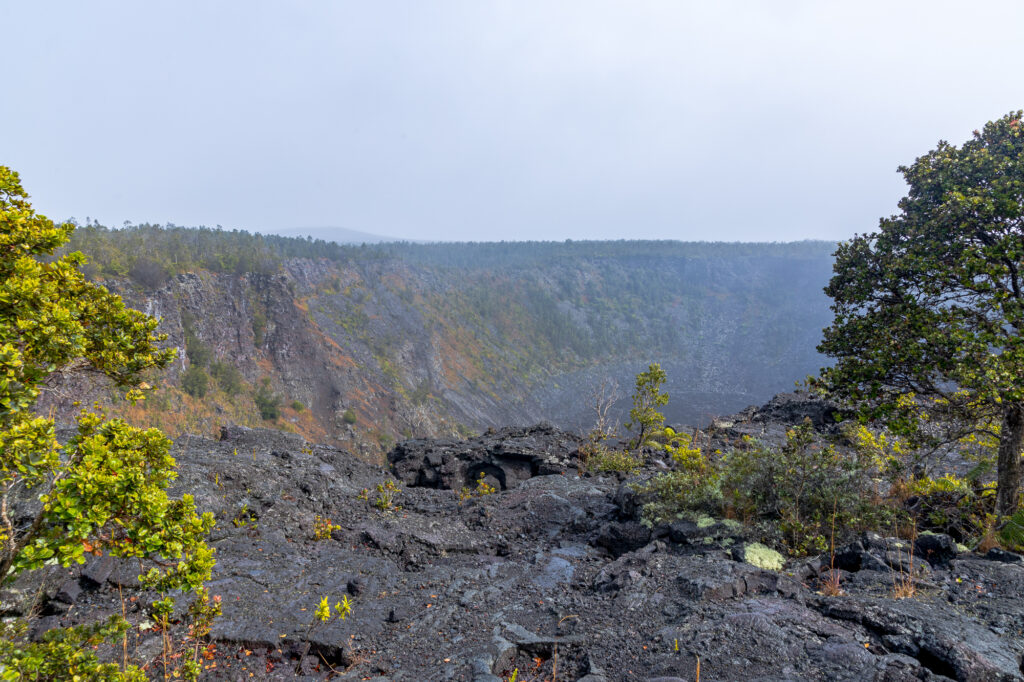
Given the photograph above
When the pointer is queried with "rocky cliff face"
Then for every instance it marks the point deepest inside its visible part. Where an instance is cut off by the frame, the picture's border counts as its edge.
(365, 350)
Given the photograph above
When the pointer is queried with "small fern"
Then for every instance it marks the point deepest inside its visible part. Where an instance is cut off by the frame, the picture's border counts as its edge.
(1012, 533)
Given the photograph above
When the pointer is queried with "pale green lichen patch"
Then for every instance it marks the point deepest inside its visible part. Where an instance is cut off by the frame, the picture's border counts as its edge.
(761, 556)
(705, 522)
(732, 525)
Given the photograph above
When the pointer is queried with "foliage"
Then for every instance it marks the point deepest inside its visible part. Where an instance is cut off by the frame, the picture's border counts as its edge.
(931, 306)
(323, 527)
(197, 352)
(890, 454)
(267, 402)
(227, 377)
(195, 381)
(647, 398)
(387, 494)
(803, 488)
(244, 518)
(482, 489)
(791, 495)
(693, 485)
(960, 507)
(182, 658)
(323, 615)
(259, 325)
(604, 459)
(342, 609)
(507, 317)
(104, 490)
(63, 653)
(1012, 533)
(150, 254)
(349, 417)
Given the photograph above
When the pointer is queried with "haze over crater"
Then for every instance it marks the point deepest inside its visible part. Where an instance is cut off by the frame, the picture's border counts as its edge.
(490, 121)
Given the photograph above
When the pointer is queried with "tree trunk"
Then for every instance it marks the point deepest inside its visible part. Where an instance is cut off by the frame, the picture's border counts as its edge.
(1008, 472)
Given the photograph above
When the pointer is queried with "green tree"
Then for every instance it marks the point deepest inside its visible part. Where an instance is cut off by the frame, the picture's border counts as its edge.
(103, 491)
(647, 398)
(929, 310)
(228, 377)
(195, 381)
(267, 402)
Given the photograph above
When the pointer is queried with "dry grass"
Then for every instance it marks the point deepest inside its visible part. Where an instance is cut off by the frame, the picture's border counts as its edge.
(830, 587)
(990, 539)
(903, 585)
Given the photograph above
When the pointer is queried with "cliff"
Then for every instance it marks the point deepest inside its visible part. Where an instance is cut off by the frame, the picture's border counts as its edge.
(363, 346)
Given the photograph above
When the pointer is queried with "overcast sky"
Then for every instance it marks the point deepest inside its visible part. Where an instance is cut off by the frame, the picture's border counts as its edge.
(480, 120)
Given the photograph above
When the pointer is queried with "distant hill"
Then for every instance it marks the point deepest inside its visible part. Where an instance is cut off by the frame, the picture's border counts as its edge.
(339, 235)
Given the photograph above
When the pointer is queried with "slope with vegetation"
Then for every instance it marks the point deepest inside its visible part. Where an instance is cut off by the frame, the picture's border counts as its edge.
(433, 339)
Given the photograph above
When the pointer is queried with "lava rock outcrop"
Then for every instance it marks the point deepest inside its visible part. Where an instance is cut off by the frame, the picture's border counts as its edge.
(550, 570)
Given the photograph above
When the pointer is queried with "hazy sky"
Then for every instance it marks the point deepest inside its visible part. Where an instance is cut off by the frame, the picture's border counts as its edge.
(482, 120)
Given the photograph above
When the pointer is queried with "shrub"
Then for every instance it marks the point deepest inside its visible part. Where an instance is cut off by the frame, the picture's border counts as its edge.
(960, 507)
(1012, 532)
(197, 352)
(692, 486)
(228, 377)
(195, 381)
(259, 325)
(800, 487)
(349, 417)
(267, 402)
(599, 457)
(646, 399)
(482, 489)
(323, 527)
(789, 496)
(149, 274)
(387, 494)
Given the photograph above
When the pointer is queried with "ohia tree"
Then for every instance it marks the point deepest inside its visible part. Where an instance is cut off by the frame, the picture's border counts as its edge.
(929, 310)
(104, 490)
(647, 398)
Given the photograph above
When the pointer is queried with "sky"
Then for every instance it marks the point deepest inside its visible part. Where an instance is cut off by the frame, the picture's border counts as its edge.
(482, 120)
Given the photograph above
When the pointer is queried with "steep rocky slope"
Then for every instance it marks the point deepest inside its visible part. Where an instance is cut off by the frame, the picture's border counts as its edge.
(366, 346)
(551, 571)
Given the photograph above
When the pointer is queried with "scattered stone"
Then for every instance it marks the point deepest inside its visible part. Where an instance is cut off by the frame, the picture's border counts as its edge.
(97, 571)
(997, 554)
(68, 592)
(621, 537)
(938, 549)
